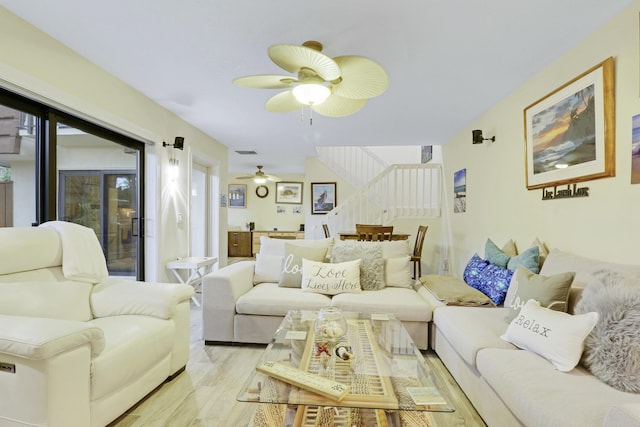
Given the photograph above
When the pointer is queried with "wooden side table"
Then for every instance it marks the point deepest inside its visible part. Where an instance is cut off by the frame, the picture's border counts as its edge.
(196, 268)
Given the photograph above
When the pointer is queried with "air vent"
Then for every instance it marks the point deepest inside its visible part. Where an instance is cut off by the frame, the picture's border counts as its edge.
(243, 152)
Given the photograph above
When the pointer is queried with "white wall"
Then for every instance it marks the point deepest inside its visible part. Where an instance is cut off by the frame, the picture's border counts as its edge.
(75, 85)
(603, 225)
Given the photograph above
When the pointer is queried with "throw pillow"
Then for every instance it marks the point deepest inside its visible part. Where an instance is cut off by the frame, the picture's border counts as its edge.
(475, 266)
(495, 255)
(542, 248)
(267, 269)
(550, 291)
(331, 279)
(490, 279)
(510, 249)
(556, 336)
(397, 272)
(372, 266)
(612, 350)
(291, 276)
(529, 259)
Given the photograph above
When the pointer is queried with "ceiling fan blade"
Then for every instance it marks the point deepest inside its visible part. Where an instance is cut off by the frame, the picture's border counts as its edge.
(273, 178)
(361, 78)
(246, 177)
(337, 106)
(265, 81)
(283, 102)
(293, 58)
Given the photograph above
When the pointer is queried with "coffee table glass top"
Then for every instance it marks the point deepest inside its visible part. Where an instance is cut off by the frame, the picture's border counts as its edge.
(386, 371)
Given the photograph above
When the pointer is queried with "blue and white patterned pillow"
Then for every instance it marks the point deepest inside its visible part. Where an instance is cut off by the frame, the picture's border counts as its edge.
(490, 279)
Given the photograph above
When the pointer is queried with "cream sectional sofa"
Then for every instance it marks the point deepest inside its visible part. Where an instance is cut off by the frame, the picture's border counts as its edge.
(78, 348)
(512, 387)
(243, 302)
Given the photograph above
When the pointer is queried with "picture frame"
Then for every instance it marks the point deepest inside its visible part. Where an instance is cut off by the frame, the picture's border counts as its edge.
(288, 192)
(323, 197)
(569, 133)
(237, 195)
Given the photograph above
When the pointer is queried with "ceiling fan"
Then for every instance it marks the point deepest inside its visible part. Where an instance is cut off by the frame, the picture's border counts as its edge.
(332, 87)
(260, 177)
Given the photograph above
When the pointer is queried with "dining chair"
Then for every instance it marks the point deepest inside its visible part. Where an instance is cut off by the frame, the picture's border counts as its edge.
(416, 257)
(374, 232)
(325, 228)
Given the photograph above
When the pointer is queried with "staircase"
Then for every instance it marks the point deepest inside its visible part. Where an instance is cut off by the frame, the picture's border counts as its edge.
(385, 193)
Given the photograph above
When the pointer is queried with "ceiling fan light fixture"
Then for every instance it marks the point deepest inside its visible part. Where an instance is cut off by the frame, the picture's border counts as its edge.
(259, 180)
(311, 93)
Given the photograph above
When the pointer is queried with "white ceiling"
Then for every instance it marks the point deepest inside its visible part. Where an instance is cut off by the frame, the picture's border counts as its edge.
(448, 61)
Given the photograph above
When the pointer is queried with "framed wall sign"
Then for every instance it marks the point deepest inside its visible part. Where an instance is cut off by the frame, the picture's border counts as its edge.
(289, 192)
(237, 195)
(323, 197)
(569, 133)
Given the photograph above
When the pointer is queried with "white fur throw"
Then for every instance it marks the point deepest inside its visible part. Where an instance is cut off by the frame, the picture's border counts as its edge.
(612, 350)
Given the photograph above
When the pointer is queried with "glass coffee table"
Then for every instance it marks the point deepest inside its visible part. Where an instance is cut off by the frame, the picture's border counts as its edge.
(381, 376)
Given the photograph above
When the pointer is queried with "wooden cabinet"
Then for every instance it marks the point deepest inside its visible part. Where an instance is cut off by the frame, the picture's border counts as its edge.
(275, 235)
(239, 244)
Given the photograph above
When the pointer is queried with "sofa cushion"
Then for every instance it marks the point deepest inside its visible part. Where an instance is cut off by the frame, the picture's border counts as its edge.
(529, 259)
(405, 304)
(490, 279)
(273, 246)
(470, 329)
(495, 255)
(133, 345)
(20, 254)
(372, 266)
(291, 276)
(397, 272)
(554, 335)
(66, 300)
(542, 396)
(269, 299)
(268, 268)
(550, 291)
(331, 278)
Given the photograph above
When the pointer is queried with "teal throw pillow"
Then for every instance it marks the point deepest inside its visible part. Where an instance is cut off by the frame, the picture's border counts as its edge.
(495, 255)
(529, 259)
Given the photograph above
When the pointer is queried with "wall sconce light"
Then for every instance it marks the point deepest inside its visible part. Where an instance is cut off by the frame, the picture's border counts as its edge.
(178, 144)
(479, 139)
(174, 166)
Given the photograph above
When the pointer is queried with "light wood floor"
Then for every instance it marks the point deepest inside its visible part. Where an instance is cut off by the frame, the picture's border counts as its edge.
(205, 393)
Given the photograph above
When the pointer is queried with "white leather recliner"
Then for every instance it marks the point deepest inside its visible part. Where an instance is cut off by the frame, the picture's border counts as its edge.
(78, 348)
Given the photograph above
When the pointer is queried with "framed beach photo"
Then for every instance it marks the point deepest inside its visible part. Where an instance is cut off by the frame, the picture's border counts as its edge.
(323, 197)
(237, 195)
(569, 133)
(289, 192)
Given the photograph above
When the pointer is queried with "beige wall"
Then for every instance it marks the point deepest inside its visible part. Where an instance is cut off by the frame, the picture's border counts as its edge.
(604, 225)
(37, 66)
(263, 211)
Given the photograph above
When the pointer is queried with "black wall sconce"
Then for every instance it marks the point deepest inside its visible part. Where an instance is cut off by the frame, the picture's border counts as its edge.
(479, 139)
(178, 144)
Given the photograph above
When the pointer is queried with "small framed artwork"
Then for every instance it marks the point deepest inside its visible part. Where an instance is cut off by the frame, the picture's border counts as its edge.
(289, 192)
(569, 133)
(460, 191)
(635, 149)
(237, 195)
(323, 197)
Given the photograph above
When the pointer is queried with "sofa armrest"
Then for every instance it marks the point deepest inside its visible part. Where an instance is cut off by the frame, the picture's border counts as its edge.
(220, 291)
(39, 338)
(622, 416)
(115, 297)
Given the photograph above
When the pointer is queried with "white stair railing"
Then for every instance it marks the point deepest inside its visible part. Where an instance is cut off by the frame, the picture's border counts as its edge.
(399, 192)
(356, 165)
